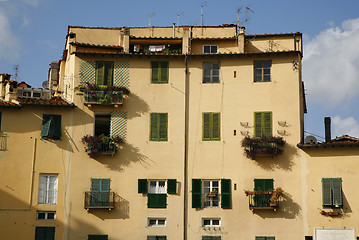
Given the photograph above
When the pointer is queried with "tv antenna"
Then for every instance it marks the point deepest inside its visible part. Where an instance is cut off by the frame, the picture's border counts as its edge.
(178, 15)
(238, 11)
(16, 69)
(247, 19)
(202, 12)
(149, 18)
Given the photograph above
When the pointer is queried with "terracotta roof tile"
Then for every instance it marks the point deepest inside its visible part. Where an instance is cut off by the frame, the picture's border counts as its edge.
(53, 102)
(7, 104)
(95, 45)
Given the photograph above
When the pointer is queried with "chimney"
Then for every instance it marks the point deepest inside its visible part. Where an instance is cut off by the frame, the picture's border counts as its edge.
(328, 136)
(241, 40)
(53, 78)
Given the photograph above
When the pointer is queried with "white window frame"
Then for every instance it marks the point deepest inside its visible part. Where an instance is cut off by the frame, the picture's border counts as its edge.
(156, 222)
(209, 202)
(46, 215)
(211, 224)
(48, 189)
(211, 46)
(157, 189)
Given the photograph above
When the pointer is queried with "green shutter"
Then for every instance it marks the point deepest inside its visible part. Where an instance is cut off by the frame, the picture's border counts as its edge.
(95, 185)
(206, 124)
(108, 73)
(164, 72)
(100, 185)
(337, 192)
(163, 121)
(267, 124)
(46, 124)
(142, 186)
(270, 238)
(97, 237)
(159, 72)
(154, 127)
(151, 238)
(154, 72)
(216, 126)
(161, 237)
(216, 237)
(326, 190)
(226, 193)
(155, 200)
(196, 193)
(56, 127)
(100, 72)
(206, 238)
(262, 124)
(44, 233)
(105, 185)
(263, 184)
(257, 124)
(172, 186)
(260, 238)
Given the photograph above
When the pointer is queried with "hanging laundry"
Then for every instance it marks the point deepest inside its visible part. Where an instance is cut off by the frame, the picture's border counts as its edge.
(136, 48)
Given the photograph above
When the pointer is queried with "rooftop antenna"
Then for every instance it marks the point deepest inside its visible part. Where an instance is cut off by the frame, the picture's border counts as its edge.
(238, 11)
(178, 15)
(202, 12)
(149, 18)
(16, 69)
(247, 19)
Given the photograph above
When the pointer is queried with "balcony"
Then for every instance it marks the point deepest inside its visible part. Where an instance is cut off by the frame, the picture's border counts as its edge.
(99, 200)
(101, 145)
(33, 92)
(102, 97)
(264, 199)
(101, 148)
(263, 146)
(156, 48)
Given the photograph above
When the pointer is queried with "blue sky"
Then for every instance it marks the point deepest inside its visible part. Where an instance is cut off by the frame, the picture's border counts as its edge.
(32, 34)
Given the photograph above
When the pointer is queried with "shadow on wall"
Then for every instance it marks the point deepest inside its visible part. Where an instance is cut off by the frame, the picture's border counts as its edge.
(137, 106)
(288, 209)
(283, 161)
(125, 156)
(121, 210)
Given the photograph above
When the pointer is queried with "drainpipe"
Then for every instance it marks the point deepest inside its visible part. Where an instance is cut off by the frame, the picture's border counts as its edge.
(327, 129)
(185, 172)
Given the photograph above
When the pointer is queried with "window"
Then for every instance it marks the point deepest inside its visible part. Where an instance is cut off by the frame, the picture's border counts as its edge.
(211, 72)
(46, 215)
(97, 237)
(211, 222)
(262, 71)
(332, 192)
(211, 193)
(47, 189)
(156, 237)
(211, 238)
(210, 48)
(156, 222)
(262, 200)
(44, 233)
(102, 124)
(100, 192)
(104, 73)
(51, 127)
(158, 124)
(159, 72)
(156, 191)
(262, 124)
(211, 127)
(265, 238)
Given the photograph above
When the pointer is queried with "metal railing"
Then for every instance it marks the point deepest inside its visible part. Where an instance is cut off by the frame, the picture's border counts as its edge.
(103, 97)
(262, 200)
(99, 200)
(102, 148)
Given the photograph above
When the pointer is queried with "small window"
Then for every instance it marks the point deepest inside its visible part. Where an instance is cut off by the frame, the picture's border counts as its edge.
(211, 238)
(211, 127)
(51, 127)
(210, 48)
(262, 124)
(157, 186)
(156, 222)
(262, 71)
(211, 222)
(332, 192)
(156, 191)
(211, 72)
(97, 237)
(46, 215)
(47, 189)
(104, 73)
(102, 124)
(158, 125)
(159, 72)
(211, 186)
(211, 193)
(156, 237)
(264, 238)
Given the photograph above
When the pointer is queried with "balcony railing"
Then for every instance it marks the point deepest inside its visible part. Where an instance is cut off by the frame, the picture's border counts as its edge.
(263, 146)
(263, 199)
(103, 97)
(101, 148)
(99, 200)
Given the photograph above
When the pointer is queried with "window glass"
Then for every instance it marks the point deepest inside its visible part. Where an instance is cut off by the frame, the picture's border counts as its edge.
(47, 189)
(102, 124)
(211, 186)
(262, 71)
(211, 72)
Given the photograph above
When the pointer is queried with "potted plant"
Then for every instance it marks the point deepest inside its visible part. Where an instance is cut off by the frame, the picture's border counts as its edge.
(275, 197)
(262, 146)
(212, 194)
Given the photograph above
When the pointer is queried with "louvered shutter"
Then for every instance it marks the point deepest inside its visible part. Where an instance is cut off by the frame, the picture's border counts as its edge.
(270, 238)
(105, 185)
(172, 186)
(257, 124)
(337, 192)
(216, 126)
(326, 189)
(155, 200)
(161, 237)
(267, 124)
(226, 193)
(216, 237)
(56, 127)
(206, 123)
(196, 193)
(206, 238)
(100, 72)
(44, 233)
(155, 72)
(161, 200)
(163, 120)
(259, 184)
(268, 184)
(142, 186)
(108, 73)
(46, 124)
(260, 238)
(95, 185)
(154, 127)
(151, 238)
(164, 72)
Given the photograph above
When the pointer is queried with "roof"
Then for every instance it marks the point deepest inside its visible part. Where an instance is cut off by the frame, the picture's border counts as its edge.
(51, 102)
(342, 141)
(88, 45)
(272, 35)
(6, 104)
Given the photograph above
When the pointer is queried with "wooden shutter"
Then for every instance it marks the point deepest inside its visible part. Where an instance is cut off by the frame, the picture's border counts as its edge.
(270, 238)
(161, 237)
(155, 72)
(216, 237)
(206, 124)
(326, 190)
(97, 237)
(154, 127)
(257, 124)
(226, 193)
(42, 233)
(56, 127)
(267, 124)
(196, 193)
(108, 73)
(263, 184)
(100, 72)
(206, 238)
(142, 186)
(172, 186)
(151, 238)
(46, 124)
(216, 126)
(105, 185)
(337, 192)
(95, 185)
(162, 126)
(155, 200)
(260, 238)
(164, 72)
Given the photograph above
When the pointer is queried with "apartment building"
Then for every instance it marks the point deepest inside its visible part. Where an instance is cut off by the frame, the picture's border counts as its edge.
(175, 132)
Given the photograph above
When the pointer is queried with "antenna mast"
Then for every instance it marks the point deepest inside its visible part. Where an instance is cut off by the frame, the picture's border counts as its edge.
(202, 12)
(246, 19)
(178, 15)
(149, 18)
(16, 69)
(238, 11)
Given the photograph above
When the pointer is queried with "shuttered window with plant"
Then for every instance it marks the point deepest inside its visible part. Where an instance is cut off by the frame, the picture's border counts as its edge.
(156, 191)
(159, 126)
(332, 192)
(104, 73)
(211, 125)
(263, 124)
(262, 200)
(51, 127)
(159, 72)
(208, 193)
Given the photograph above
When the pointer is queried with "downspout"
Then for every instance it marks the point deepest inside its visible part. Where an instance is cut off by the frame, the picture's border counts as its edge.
(185, 184)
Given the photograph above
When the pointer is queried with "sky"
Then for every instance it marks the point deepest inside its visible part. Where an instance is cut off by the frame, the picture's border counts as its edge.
(32, 34)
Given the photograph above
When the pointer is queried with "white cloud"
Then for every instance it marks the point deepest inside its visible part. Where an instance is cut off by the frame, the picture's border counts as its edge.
(347, 126)
(8, 42)
(331, 65)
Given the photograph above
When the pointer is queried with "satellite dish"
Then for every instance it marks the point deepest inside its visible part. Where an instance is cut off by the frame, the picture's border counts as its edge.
(45, 84)
(310, 139)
